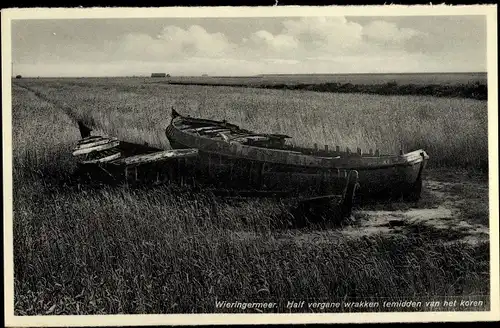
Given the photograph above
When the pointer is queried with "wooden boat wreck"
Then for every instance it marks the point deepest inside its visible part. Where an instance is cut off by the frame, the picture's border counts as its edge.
(109, 160)
(229, 154)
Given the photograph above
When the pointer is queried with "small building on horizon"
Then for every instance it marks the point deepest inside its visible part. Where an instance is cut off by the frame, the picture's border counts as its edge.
(158, 75)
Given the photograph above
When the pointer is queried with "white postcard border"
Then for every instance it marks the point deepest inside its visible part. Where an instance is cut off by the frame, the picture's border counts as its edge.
(212, 319)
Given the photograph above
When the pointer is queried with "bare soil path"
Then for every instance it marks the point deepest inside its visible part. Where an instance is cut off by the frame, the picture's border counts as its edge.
(456, 209)
(453, 208)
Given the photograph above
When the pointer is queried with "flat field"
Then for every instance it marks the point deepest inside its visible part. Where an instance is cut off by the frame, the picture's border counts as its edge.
(418, 79)
(464, 85)
(108, 250)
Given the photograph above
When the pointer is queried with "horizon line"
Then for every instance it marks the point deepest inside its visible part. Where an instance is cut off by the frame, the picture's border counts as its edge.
(253, 75)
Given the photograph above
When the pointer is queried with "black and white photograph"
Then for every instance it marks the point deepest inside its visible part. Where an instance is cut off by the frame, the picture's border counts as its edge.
(271, 165)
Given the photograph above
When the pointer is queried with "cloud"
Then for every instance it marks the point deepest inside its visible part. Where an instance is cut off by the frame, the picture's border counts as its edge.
(299, 37)
(196, 40)
(387, 34)
(292, 45)
(330, 37)
(333, 35)
(172, 43)
(270, 44)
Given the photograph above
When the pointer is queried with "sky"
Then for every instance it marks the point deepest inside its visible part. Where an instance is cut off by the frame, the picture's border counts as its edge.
(249, 45)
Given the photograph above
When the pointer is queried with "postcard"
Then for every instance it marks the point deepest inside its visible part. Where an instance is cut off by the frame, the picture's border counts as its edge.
(250, 165)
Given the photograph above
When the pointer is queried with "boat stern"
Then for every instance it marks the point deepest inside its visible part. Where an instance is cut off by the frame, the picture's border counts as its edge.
(416, 157)
(412, 174)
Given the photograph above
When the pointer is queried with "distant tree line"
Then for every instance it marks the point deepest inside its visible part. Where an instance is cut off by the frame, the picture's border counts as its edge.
(474, 90)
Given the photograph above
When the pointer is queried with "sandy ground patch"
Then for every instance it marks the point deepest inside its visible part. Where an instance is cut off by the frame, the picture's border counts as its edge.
(439, 214)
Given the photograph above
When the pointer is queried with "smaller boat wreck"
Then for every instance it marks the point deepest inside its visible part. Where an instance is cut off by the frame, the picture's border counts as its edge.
(107, 159)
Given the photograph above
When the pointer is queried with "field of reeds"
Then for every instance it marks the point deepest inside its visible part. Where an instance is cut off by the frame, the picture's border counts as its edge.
(108, 250)
(420, 79)
(460, 85)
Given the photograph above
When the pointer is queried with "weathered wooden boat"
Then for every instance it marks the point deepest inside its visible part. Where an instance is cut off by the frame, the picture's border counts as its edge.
(107, 159)
(229, 154)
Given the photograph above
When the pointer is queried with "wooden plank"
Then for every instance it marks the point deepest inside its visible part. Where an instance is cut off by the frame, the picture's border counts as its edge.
(328, 157)
(183, 127)
(95, 143)
(206, 128)
(96, 148)
(213, 131)
(239, 135)
(158, 156)
(103, 159)
(358, 150)
(278, 136)
(203, 128)
(89, 139)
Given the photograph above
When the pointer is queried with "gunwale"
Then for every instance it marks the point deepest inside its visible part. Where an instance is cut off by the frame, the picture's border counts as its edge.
(239, 150)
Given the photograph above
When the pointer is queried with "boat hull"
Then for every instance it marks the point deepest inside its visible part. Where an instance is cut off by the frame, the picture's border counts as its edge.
(224, 171)
(235, 164)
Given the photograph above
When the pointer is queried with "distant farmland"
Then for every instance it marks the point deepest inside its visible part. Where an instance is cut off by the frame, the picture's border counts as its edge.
(416, 78)
(464, 85)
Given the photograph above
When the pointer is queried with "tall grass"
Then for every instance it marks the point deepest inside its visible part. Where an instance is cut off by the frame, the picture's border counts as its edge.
(120, 250)
(453, 131)
(42, 138)
(146, 252)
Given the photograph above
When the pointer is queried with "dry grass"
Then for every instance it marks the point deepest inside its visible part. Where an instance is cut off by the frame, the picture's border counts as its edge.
(359, 79)
(119, 250)
(452, 130)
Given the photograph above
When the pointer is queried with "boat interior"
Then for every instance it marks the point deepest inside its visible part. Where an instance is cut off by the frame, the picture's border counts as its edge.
(222, 130)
